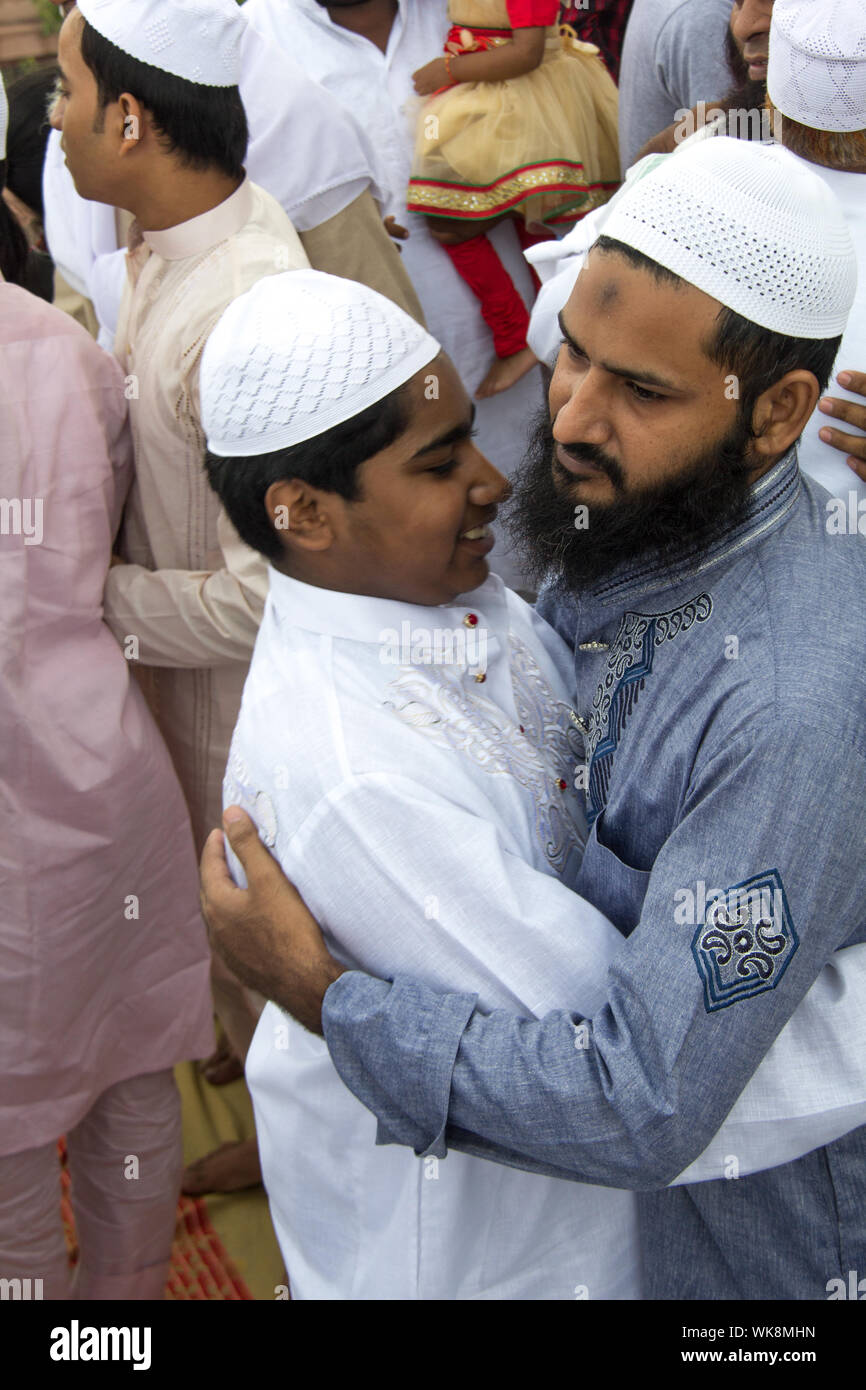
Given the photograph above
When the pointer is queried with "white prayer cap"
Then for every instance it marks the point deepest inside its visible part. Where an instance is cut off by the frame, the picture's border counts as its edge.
(198, 40)
(4, 118)
(299, 353)
(817, 69)
(751, 225)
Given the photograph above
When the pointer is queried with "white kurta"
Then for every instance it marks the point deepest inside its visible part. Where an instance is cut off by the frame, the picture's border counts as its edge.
(429, 834)
(376, 89)
(423, 818)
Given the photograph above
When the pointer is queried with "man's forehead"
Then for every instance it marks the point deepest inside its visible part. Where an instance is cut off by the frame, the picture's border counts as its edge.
(608, 284)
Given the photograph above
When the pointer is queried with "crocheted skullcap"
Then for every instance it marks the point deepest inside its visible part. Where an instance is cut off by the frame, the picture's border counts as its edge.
(751, 225)
(817, 69)
(299, 353)
(198, 40)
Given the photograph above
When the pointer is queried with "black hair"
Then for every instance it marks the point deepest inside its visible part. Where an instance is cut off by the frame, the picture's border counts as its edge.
(329, 462)
(756, 356)
(205, 126)
(14, 251)
(28, 134)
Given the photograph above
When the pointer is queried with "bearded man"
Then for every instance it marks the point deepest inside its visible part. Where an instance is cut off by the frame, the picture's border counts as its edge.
(718, 629)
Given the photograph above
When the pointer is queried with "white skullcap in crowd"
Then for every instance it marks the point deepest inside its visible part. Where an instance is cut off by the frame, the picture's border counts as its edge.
(198, 40)
(817, 69)
(299, 353)
(749, 224)
(4, 118)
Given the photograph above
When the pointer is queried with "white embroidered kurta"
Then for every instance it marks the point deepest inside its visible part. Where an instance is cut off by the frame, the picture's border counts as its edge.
(191, 593)
(421, 815)
(376, 89)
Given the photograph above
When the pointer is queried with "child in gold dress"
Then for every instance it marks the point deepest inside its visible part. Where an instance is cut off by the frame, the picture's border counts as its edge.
(526, 128)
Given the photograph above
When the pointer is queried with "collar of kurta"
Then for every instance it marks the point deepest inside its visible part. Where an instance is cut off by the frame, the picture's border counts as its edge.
(772, 498)
(200, 233)
(360, 618)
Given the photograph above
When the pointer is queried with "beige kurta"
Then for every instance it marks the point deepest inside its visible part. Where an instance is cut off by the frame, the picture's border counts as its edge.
(190, 599)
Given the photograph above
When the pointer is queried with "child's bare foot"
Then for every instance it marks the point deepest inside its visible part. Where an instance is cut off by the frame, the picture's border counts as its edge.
(230, 1168)
(505, 372)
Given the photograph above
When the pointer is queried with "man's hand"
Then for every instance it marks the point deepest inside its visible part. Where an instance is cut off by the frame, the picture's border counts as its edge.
(431, 77)
(265, 932)
(854, 445)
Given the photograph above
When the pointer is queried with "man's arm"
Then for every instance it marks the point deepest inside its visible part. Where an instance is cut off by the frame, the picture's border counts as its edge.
(355, 244)
(666, 1056)
(191, 618)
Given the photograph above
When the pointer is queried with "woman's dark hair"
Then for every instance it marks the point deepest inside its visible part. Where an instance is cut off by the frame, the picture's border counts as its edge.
(14, 251)
(28, 134)
(329, 462)
(756, 356)
(206, 126)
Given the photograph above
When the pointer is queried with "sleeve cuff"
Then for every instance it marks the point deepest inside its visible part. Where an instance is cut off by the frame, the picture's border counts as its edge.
(395, 1046)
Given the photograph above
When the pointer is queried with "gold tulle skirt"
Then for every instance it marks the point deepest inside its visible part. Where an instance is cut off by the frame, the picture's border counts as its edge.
(543, 145)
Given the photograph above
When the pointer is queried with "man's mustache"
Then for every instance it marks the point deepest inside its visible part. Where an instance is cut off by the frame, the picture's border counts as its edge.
(595, 455)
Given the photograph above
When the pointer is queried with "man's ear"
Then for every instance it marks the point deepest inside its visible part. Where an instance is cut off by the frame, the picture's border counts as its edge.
(132, 122)
(780, 414)
(300, 515)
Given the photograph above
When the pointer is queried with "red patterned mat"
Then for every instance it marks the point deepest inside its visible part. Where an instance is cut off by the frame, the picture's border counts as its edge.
(200, 1266)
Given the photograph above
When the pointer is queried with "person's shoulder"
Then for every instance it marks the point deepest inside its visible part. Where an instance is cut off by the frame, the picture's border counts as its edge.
(25, 318)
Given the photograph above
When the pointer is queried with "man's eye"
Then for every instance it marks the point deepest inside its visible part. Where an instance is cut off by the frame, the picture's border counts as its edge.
(643, 394)
(574, 353)
(442, 470)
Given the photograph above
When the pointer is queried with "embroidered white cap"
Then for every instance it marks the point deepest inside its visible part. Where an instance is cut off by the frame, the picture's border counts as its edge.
(751, 225)
(299, 353)
(816, 73)
(198, 40)
(4, 118)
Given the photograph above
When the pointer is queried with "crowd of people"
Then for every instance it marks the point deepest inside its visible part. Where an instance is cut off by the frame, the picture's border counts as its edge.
(416, 459)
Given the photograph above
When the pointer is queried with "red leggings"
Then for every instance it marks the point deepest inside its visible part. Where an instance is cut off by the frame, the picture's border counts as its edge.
(502, 307)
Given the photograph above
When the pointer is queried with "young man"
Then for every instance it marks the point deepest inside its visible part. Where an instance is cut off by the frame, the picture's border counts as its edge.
(326, 188)
(717, 627)
(152, 122)
(430, 746)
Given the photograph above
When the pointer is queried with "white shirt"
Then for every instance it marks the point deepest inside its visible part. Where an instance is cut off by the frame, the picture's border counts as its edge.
(422, 816)
(827, 466)
(376, 89)
(426, 832)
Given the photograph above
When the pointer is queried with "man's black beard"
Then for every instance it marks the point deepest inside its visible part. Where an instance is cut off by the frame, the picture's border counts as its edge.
(747, 94)
(671, 523)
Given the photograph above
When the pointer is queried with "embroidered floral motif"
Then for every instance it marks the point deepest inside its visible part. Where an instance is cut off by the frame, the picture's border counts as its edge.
(538, 752)
(628, 665)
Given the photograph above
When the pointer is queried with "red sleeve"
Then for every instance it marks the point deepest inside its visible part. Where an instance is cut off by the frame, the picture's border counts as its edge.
(524, 14)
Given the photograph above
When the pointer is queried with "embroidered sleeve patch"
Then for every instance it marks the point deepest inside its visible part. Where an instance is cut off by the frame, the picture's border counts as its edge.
(747, 941)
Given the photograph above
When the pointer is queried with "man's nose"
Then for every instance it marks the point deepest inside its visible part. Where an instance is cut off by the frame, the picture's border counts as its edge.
(579, 413)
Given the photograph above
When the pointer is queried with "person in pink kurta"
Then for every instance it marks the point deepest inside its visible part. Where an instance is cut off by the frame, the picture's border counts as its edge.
(104, 964)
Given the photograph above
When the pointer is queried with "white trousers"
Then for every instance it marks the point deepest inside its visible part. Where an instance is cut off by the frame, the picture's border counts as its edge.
(125, 1163)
